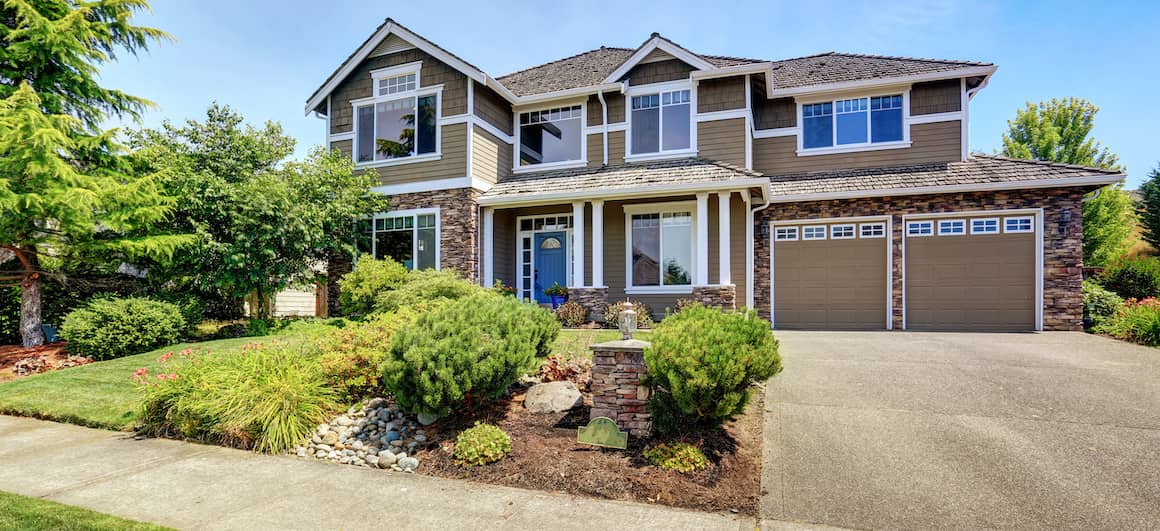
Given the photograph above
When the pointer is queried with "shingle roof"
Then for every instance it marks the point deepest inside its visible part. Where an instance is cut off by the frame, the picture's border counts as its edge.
(978, 169)
(610, 179)
(831, 67)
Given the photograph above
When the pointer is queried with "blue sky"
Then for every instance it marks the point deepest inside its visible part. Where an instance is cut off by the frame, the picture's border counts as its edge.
(265, 58)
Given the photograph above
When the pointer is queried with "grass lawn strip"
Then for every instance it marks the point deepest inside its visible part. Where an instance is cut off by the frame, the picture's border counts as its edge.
(21, 512)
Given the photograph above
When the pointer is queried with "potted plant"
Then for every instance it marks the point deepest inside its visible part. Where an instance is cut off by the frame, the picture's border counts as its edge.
(503, 289)
(558, 294)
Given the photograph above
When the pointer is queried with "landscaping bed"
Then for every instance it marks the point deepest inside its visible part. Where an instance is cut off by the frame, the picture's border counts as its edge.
(17, 361)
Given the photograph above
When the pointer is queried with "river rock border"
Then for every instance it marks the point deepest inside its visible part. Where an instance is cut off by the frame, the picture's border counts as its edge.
(375, 434)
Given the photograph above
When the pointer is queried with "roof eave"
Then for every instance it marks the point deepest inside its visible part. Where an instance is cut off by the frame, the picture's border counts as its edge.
(1091, 180)
(566, 93)
(665, 45)
(628, 193)
(840, 86)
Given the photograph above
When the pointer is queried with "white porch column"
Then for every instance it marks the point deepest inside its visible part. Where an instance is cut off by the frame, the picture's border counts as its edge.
(488, 277)
(723, 235)
(598, 243)
(702, 249)
(578, 244)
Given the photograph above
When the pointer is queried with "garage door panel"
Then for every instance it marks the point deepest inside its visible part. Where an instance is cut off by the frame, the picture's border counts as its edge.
(830, 284)
(971, 282)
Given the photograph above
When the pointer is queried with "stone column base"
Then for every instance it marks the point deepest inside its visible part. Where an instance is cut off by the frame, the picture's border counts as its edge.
(595, 300)
(617, 389)
(723, 296)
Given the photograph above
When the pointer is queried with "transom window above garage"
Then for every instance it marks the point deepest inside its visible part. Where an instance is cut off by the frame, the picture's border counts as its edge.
(952, 227)
(783, 234)
(985, 226)
(872, 230)
(1018, 224)
(841, 232)
(920, 228)
(814, 232)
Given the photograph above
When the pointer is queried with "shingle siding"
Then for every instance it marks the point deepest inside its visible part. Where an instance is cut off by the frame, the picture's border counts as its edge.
(492, 108)
(721, 94)
(935, 97)
(658, 72)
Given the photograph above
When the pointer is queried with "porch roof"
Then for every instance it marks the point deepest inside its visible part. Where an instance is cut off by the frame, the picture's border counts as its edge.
(977, 173)
(665, 177)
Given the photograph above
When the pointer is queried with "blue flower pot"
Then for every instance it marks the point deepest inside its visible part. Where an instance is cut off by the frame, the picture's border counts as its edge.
(557, 300)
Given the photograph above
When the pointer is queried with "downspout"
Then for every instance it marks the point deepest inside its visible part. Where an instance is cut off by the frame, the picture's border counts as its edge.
(604, 122)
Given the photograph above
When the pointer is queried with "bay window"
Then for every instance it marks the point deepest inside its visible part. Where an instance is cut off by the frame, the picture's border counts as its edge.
(662, 247)
(399, 121)
(408, 237)
(852, 122)
(661, 122)
(551, 135)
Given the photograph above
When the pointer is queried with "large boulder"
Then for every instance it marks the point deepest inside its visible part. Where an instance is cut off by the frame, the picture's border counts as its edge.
(552, 397)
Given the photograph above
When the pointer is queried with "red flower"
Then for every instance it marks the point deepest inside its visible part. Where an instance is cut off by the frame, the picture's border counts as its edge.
(165, 357)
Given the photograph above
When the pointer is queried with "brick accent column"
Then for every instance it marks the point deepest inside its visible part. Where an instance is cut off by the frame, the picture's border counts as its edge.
(724, 296)
(595, 300)
(617, 392)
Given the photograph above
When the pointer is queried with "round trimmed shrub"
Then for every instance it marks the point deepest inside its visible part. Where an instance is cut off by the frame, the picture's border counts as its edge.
(680, 457)
(572, 314)
(481, 444)
(1133, 278)
(113, 328)
(701, 364)
(643, 315)
(358, 289)
(467, 350)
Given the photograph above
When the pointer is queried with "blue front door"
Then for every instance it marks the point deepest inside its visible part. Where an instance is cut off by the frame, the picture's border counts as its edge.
(551, 262)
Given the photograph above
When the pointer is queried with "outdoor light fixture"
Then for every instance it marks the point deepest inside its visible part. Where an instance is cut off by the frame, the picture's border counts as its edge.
(1065, 221)
(627, 320)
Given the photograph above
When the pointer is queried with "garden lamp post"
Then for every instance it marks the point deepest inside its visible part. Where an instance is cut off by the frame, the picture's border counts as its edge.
(627, 320)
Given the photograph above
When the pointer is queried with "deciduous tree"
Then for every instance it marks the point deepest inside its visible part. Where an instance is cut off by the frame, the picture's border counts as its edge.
(1109, 226)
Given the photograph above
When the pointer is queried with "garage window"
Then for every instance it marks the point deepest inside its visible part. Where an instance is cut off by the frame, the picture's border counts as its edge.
(985, 226)
(842, 232)
(920, 228)
(1019, 224)
(873, 230)
(786, 234)
(952, 227)
(814, 232)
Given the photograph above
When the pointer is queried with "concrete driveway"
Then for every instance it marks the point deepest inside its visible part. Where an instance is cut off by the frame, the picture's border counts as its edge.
(938, 430)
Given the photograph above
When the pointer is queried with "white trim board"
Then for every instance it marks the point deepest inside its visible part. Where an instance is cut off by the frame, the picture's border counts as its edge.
(881, 82)
(432, 185)
(628, 193)
(926, 190)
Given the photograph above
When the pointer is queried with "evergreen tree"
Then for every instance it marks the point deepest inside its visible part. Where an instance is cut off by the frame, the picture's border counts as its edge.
(1149, 208)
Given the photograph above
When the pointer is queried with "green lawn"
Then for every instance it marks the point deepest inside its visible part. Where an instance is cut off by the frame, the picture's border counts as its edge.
(103, 395)
(20, 512)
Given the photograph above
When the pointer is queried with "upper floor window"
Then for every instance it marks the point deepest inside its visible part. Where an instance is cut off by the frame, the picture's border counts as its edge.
(399, 121)
(852, 121)
(661, 122)
(551, 135)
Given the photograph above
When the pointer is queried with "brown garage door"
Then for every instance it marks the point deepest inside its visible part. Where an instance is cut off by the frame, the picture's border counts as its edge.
(830, 276)
(971, 273)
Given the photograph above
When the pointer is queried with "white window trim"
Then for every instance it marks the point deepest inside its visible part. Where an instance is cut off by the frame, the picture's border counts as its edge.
(853, 231)
(521, 234)
(791, 234)
(1030, 223)
(911, 224)
(559, 165)
(949, 223)
(659, 208)
(657, 88)
(374, 99)
(862, 230)
(803, 151)
(415, 213)
(814, 228)
(998, 226)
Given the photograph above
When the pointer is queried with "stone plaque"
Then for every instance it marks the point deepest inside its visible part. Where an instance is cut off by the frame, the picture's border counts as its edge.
(602, 431)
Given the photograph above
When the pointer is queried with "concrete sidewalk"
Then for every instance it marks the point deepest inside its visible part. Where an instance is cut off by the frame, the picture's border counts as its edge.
(189, 486)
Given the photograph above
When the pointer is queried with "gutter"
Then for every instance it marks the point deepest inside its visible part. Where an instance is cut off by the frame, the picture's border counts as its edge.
(628, 193)
(604, 123)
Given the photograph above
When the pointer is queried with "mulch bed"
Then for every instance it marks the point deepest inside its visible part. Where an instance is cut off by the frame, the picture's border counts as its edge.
(17, 361)
(546, 456)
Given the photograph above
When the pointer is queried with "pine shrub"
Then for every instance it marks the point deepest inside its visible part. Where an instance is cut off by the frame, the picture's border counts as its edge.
(572, 314)
(358, 289)
(481, 444)
(680, 457)
(701, 364)
(643, 315)
(352, 356)
(467, 350)
(427, 289)
(1133, 278)
(265, 398)
(110, 328)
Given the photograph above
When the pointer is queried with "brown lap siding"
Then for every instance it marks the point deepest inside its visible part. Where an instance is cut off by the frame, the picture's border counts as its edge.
(1062, 245)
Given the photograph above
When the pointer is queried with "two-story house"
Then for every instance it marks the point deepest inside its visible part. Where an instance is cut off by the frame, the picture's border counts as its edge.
(834, 191)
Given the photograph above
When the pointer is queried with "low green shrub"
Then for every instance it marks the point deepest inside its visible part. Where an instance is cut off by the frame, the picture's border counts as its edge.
(109, 328)
(268, 398)
(701, 364)
(643, 315)
(352, 357)
(471, 349)
(191, 307)
(358, 289)
(427, 289)
(572, 314)
(1135, 321)
(1133, 278)
(481, 444)
(1098, 303)
(680, 457)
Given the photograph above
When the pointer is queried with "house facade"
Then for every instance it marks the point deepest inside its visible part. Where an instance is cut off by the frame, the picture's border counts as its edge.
(835, 191)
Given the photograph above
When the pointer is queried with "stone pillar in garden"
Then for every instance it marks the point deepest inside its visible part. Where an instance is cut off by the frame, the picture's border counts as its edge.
(618, 391)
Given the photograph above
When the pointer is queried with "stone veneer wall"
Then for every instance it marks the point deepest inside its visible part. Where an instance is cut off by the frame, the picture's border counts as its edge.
(721, 296)
(617, 389)
(595, 300)
(458, 226)
(1062, 245)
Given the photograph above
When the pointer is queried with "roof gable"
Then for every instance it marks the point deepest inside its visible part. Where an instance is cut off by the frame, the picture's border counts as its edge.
(648, 52)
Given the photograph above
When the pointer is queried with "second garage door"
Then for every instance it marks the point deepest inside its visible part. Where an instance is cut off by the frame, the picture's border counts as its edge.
(971, 273)
(830, 276)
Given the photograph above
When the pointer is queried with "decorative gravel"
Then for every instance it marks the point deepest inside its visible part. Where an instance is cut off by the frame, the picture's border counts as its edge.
(375, 434)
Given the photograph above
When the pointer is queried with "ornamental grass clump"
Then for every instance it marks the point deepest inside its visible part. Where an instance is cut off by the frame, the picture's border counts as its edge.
(466, 351)
(701, 364)
(679, 457)
(481, 444)
(268, 398)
